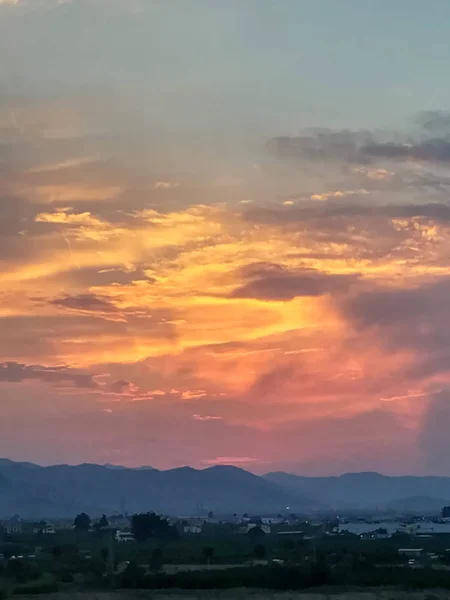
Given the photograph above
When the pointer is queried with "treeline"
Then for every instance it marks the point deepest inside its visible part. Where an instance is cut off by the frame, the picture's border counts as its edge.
(287, 578)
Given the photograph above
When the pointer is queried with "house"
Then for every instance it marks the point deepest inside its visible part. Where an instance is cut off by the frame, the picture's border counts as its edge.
(43, 529)
(194, 528)
(49, 530)
(119, 521)
(124, 536)
(273, 520)
(14, 525)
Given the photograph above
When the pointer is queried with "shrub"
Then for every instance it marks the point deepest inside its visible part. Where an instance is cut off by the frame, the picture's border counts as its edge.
(46, 584)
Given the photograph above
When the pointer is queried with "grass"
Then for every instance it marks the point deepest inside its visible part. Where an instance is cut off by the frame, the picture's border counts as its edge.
(245, 593)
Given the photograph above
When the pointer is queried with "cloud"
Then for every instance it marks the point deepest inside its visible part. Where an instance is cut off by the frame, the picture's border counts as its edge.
(14, 372)
(198, 417)
(85, 303)
(339, 194)
(433, 436)
(322, 145)
(165, 185)
(274, 282)
(430, 150)
(430, 144)
(263, 324)
(413, 321)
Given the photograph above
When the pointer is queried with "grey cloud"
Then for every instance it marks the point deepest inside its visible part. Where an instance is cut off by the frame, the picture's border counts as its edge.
(273, 282)
(85, 302)
(431, 143)
(120, 386)
(396, 306)
(331, 210)
(434, 121)
(322, 145)
(431, 150)
(14, 372)
(414, 319)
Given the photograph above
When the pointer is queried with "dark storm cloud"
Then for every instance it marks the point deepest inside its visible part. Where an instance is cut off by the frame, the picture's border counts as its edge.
(268, 281)
(14, 372)
(85, 302)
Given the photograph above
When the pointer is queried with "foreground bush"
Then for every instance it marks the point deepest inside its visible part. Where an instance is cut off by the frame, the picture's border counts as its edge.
(46, 584)
(277, 578)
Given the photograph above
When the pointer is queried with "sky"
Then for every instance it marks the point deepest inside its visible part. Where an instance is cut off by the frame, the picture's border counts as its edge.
(225, 234)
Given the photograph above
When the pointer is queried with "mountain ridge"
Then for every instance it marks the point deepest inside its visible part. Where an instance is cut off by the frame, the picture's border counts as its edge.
(36, 491)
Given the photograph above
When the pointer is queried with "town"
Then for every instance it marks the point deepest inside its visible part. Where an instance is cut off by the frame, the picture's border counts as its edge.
(284, 550)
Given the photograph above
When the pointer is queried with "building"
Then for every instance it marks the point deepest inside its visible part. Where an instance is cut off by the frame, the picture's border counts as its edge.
(44, 529)
(194, 528)
(363, 528)
(273, 520)
(124, 536)
(13, 526)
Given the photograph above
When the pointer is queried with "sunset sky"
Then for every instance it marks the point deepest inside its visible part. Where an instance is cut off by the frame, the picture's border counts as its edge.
(225, 234)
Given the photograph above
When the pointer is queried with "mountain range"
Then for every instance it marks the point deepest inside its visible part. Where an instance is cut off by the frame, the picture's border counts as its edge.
(33, 491)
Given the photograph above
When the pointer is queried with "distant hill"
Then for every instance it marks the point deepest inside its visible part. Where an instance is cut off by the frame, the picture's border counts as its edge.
(33, 491)
(370, 491)
(425, 505)
(63, 491)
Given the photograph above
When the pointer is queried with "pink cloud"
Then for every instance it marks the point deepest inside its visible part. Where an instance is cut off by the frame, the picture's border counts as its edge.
(206, 418)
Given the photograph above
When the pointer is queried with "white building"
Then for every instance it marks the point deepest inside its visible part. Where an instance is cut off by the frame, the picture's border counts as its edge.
(192, 529)
(273, 520)
(124, 536)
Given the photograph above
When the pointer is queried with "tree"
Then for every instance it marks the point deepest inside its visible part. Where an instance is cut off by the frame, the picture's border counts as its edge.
(208, 554)
(150, 525)
(101, 524)
(82, 522)
(210, 514)
(289, 545)
(132, 576)
(16, 568)
(156, 560)
(259, 552)
(446, 512)
(104, 553)
(255, 532)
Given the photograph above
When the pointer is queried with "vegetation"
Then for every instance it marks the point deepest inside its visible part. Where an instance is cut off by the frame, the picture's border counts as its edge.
(146, 526)
(220, 557)
(82, 522)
